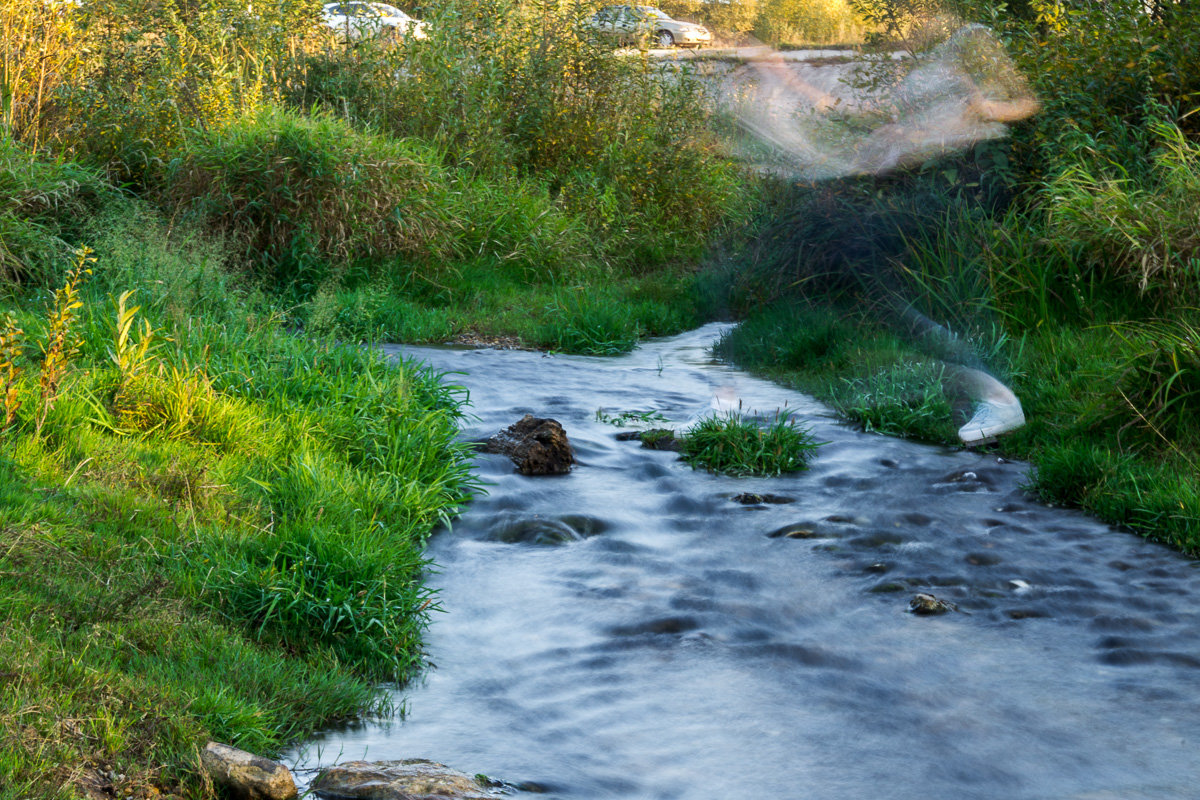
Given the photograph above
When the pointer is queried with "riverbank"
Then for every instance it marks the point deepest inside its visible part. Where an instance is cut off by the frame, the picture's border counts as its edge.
(211, 528)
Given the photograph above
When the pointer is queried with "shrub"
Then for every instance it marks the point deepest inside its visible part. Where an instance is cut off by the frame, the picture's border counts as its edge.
(149, 73)
(808, 22)
(1144, 233)
(29, 82)
(42, 207)
(618, 143)
(306, 192)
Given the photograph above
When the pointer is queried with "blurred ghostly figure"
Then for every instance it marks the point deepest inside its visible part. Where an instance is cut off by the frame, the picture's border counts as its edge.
(834, 120)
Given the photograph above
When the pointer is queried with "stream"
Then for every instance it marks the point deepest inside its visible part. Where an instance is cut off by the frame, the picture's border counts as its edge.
(631, 631)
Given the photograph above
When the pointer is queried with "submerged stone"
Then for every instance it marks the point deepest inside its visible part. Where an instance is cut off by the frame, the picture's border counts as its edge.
(408, 779)
(754, 499)
(800, 530)
(661, 439)
(537, 446)
(926, 604)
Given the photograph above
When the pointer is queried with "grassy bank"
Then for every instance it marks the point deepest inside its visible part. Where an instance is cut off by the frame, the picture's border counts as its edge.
(211, 528)
(213, 501)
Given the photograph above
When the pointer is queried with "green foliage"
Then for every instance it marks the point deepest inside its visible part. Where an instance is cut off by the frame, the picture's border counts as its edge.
(1102, 72)
(811, 22)
(735, 445)
(223, 536)
(1160, 381)
(29, 82)
(1141, 233)
(42, 204)
(61, 343)
(915, 25)
(786, 338)
(907, 398)
(578, 323)
(733, 17)
(619, 143)
(150, 73)
(298, 189)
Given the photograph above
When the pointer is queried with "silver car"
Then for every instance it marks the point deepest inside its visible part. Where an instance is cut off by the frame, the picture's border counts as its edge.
(355, 20)
(634, 23)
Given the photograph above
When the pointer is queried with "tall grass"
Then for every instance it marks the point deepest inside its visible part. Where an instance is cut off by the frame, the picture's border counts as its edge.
(821, 22)
(299, 189)
(1140, 232)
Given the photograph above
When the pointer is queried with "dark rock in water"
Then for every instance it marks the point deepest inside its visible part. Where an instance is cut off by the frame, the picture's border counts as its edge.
(653, 439)
(661, 439)
(927, 604)
(800, 530)
(1025, 613)
(410, 779)
(752, 499)
(546, 530)
(245, 775)
(537, 446)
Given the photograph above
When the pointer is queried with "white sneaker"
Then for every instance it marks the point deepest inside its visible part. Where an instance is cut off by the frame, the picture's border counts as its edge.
(991, 419)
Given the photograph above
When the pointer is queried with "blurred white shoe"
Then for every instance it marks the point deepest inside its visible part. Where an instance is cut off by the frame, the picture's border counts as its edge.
(991, 419)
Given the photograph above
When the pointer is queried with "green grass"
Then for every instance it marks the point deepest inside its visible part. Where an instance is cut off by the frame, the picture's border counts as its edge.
(220, 539)
(735, 445)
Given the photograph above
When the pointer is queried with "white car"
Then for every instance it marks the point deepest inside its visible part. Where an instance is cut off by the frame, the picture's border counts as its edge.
(631, 23)
(355, 20)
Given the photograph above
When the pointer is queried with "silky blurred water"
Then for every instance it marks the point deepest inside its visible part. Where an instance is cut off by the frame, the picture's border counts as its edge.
(670, 647)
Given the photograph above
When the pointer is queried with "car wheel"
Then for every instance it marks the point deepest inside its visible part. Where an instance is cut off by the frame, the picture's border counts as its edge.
(664, 38)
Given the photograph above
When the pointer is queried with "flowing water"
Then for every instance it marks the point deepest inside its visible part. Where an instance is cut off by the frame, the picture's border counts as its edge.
(631, 631)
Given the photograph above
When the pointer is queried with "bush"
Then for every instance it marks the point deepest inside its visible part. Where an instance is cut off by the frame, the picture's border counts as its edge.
(1102, 72)
(818, 22)
(304, 193)
(43, 205)
(150, 73)
(1144, 233)
(618, 143)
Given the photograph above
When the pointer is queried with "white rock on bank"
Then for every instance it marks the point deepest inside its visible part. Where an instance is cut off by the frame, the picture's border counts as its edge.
(246, 775)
